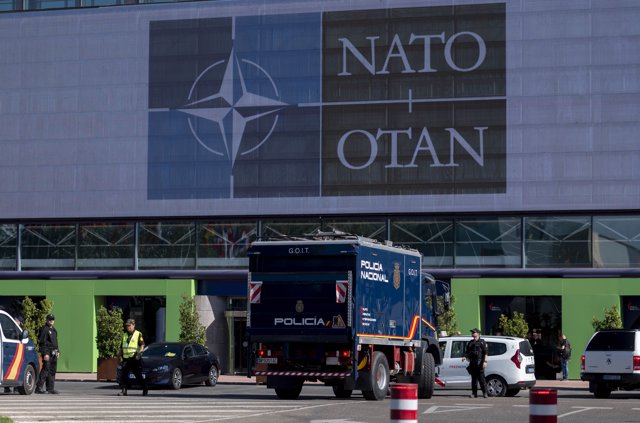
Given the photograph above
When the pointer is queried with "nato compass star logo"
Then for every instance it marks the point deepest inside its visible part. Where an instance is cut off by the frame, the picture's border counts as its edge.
(231, 108)
(230, 116)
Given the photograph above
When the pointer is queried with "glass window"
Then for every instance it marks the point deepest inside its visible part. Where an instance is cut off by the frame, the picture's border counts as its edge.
(9, 328)
(8, 240)
(106, 246)
(612, 340)
(432, 237)
(48, 247)
(370, 229)
(558, 241)
(525, 348)
(52, 4)
(224, 244)
(167, 245)
(616, 241)
(289, 228)
(488, 242)
(496, 348)
(458, 349)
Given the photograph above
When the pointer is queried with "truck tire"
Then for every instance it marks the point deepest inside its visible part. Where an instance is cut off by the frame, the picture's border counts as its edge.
(28, 382)
(426, 383)
(289, 393)
(340, 392)
(379, 378)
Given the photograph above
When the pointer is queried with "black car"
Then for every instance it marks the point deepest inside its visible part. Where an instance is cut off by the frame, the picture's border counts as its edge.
(178, 363)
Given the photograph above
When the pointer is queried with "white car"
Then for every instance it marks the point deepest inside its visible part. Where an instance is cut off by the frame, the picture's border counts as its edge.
(611, 361)
(510, 365)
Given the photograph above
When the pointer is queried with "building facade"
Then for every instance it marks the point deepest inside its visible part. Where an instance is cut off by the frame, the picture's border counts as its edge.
(145, 146)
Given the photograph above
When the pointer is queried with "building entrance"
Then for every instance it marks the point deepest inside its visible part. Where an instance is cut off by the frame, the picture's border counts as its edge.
(543, 314)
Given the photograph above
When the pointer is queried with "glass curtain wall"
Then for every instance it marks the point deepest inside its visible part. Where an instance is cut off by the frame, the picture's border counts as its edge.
(106, 246)
(432, 237)
(8, 244)
(558, 241)
(48, 247)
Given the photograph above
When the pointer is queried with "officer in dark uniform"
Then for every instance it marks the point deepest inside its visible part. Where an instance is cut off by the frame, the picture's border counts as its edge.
(476, 353)
(48, 342)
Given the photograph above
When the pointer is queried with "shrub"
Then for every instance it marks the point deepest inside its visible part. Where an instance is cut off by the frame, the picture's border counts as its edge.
(611, 319)
(191, 330)
(515, 326)
(35, 317)
(108, 331)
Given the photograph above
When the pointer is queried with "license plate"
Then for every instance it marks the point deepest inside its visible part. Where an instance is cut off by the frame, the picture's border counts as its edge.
(531, 370)
(267, 360)
(132, 376)
(611, 377)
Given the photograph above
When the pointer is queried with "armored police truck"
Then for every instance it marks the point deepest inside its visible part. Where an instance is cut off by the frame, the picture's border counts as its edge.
(348, 311)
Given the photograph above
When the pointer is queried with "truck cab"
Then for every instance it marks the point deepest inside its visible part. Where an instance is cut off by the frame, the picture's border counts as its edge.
(18, 357)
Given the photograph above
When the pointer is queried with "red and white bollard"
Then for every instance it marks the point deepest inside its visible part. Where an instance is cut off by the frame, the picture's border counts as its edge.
(543, 406)
(404, 403)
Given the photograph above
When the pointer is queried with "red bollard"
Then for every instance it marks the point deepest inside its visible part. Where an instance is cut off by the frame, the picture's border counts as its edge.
(404, 403)
(543, 406)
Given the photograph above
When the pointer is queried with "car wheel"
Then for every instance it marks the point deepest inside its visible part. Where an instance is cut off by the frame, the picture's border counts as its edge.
(496, 386)
(212, 378)
(512, 392)
(29, 381)
(176, 378)
(379, 378)
(601, 391)
(340, 392)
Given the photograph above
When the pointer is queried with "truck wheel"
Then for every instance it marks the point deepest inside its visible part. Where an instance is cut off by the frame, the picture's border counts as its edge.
(379, 378)
(289, 393)
(426, 383)
(601, 391)
(340, 392)
(496, 386)
(29, 381)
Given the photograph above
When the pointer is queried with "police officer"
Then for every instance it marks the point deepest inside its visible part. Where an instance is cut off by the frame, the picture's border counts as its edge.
(476, 353)
(132, 347)
(48, 342)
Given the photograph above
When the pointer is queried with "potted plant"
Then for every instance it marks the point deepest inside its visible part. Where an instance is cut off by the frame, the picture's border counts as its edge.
(108, 338)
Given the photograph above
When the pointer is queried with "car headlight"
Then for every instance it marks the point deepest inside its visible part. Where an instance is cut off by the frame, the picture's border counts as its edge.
(163, 368)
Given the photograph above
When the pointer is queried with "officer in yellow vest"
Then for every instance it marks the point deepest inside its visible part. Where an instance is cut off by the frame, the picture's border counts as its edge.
(132, 347)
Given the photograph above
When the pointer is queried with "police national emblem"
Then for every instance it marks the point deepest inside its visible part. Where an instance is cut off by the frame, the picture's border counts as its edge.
(396, 275)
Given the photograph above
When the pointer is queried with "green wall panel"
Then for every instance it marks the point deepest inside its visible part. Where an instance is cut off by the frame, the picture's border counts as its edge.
(75, 303)
(581, 299)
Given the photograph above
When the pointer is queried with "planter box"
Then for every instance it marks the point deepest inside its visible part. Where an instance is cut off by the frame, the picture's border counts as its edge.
(107, 368)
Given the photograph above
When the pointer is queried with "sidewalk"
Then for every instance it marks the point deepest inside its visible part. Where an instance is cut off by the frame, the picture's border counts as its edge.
(236, 380)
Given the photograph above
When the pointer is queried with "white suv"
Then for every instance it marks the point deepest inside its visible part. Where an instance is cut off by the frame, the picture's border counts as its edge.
(611, 361)
(510, 365)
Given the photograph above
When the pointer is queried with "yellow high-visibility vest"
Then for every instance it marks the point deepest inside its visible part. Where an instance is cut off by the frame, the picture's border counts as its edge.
(131, 348)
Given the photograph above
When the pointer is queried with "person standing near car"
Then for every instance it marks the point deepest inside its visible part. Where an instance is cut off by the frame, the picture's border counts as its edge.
(130, 351)
(565, 355)
(48, 342)
(476, 354)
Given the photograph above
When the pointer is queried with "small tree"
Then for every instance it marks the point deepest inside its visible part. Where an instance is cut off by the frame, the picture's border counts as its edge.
(611, 319)
(447, 318)
(515, 326)
(109, 331)
(191, 330)
(35, 316)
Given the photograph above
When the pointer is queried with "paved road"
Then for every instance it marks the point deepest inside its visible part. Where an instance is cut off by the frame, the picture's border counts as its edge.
(83, 402)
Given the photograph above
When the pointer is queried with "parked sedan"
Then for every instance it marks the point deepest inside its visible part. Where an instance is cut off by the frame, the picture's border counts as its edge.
(178, 363)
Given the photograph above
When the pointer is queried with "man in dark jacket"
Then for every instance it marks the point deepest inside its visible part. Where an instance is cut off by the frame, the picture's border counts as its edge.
(48, 342)
(476, 353)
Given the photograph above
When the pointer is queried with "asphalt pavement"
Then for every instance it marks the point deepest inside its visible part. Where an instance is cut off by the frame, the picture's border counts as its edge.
(238, 379)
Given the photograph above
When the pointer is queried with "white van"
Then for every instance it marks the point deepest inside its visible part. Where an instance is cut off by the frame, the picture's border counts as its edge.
(510, 365)
(18, 357)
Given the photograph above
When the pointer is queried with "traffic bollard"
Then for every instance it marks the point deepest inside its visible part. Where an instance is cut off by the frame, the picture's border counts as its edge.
(404, 403)
(543, 406)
